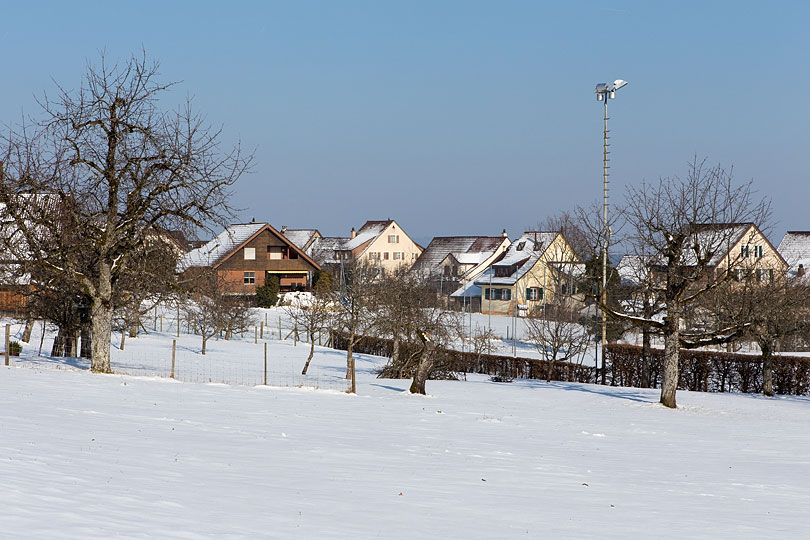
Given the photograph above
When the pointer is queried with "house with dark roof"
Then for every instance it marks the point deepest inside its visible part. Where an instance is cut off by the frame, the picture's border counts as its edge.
(245, 255)
(380, 243)
(449, 261)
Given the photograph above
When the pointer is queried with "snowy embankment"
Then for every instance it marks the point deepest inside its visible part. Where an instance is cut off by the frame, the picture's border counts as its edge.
(101, 456)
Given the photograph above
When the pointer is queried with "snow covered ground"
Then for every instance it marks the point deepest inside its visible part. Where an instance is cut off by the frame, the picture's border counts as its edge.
(100, 456)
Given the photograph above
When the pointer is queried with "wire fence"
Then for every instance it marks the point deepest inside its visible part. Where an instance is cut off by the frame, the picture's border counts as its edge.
(273, 355)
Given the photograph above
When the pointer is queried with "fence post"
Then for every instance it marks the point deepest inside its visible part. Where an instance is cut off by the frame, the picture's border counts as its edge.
(174, 350)
(265, 364)
(279, 328)
(178, 319)
(161, 322)
(8, 344)
(295, 336)
(261, 329)
(255, 335)
(123, 337)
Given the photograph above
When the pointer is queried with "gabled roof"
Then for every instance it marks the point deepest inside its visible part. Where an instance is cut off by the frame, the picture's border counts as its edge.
(795, 249)
(523, 254)
(465, 249)
(369, 231)
(300, 237)
(225, 244)
(324, 247)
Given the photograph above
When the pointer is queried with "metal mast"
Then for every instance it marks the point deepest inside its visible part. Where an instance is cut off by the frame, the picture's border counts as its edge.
(604, 92)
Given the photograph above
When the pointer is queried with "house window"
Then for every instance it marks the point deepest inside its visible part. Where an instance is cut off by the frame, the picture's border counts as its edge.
(497, 294)
(393, 239)
(521, 245)
(250, 254)
(534, 293)
(758, 251)
(385, 255)
(250, 278)
(744, 251)
(374, 255)
(397, 255)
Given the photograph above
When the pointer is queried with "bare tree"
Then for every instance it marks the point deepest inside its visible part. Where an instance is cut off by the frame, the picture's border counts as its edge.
(214, 309)
(689, 225)
(413, 315)
(356, 315)
(560, 339)
(765, 304)
(125, 167)
(315, 316)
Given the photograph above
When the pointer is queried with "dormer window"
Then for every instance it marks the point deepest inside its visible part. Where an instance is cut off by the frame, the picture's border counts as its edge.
(521, 245)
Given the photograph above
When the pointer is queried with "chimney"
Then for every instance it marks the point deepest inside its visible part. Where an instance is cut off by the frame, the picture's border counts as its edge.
(283, 229)
(353, 233)
(504, 234)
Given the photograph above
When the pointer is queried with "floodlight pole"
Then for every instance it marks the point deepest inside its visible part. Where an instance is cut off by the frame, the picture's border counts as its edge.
(604, 92)
(606, 234)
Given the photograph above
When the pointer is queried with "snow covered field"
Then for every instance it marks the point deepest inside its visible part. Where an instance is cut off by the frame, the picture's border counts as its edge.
(102, 456)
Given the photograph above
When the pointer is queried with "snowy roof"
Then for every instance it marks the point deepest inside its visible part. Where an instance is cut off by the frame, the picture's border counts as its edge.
(523, 253)
(299, 237)
(323, 248)
(795, 249)
(466, 250)
(715, 239)
(468, 289)
(224, 243)
(369, 231)
(471, 258)
(633, 269)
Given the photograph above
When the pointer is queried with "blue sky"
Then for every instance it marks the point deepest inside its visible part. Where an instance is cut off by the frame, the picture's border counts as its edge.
(454, 117)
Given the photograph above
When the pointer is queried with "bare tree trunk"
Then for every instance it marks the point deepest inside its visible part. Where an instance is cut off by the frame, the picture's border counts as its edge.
(205, 340)
(645, 357)
(427, 361)
(767, 367)
(309, 358)
(101, 311)
(349, 358)
(669, 383)
(395, 350)
(29, 327)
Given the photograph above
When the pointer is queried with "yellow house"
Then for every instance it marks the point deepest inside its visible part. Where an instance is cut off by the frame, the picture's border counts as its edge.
(714, 251)
(537, 269)
(380, 243)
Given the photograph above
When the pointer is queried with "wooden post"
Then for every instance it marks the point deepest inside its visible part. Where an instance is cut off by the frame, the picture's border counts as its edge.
(8, 343)
(123, 337)
(178, 319)
(161, 322)
(261, 329)
(174, 349)
(265, 318)
(295, 336)
(265, 364)
(279, 328)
